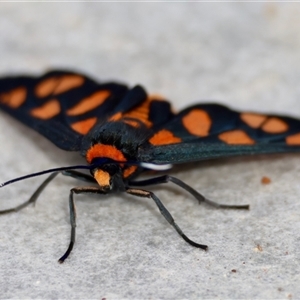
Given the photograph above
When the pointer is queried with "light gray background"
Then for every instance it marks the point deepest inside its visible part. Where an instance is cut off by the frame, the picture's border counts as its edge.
(244, 55)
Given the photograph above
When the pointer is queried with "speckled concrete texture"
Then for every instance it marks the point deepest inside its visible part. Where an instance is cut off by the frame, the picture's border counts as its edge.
(244, 55)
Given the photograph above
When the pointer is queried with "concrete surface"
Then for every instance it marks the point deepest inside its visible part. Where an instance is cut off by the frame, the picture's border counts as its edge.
(246, 55)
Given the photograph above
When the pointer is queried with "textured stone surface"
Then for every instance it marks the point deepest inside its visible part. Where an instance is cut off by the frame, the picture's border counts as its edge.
(243, 55)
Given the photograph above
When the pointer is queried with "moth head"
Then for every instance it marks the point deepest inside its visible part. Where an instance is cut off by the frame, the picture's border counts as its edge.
(109, 177)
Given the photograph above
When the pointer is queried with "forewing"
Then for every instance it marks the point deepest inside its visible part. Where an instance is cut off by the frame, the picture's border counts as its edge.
(63, 106)
(206, 131)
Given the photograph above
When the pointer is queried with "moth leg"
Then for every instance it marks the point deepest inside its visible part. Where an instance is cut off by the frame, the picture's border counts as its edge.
(79, 175)
(163, 210)
(197, 195)
(34, 196)
(77, 190)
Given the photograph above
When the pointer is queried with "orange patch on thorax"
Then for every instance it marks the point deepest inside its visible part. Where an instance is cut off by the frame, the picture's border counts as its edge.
(108, 151)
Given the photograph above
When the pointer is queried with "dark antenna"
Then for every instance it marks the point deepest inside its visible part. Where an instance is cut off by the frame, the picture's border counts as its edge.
(44, 172)
(150, 166)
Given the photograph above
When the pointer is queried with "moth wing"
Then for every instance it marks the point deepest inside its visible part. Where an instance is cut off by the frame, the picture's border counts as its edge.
(207, 131)
(63, 106)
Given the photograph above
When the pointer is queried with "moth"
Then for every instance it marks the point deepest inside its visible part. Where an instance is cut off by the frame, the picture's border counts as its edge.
(122, 132)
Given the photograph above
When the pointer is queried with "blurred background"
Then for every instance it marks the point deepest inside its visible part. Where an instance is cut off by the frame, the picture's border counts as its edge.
(231, 52)
(244, 55)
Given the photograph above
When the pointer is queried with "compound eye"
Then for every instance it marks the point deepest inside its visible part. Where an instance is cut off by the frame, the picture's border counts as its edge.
(111, 168)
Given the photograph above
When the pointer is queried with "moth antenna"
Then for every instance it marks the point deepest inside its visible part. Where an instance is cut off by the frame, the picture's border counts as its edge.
(146, 165)
(44, 172)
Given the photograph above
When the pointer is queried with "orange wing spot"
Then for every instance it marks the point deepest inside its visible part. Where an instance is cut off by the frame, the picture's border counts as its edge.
(197, 122)
(115, 117)
(253, 120)
(275, 125)
(46, 87)
(89, 103)
(293, 139)
(83, 127)
(58, 84)
(236, 137)
(100, 150)
(164, 137)
(128, 171)
(14, 98)
(102, 177)
(132, 123)
(141, 113)
(68, 82)
(47, 111)
(157, 97)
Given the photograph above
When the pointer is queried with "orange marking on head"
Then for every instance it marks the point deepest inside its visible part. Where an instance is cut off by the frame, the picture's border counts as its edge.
(253, 120)
(128, 171)
(89, 103)
(164, 137)
(14, 98)
(293, 139)
(58, 84)
(109, 151)
(141, 113)
(236, 137)
(275, 125)
(47, 110)
(197, 122)
(102, 177)
(115, 117)
(83, 127)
